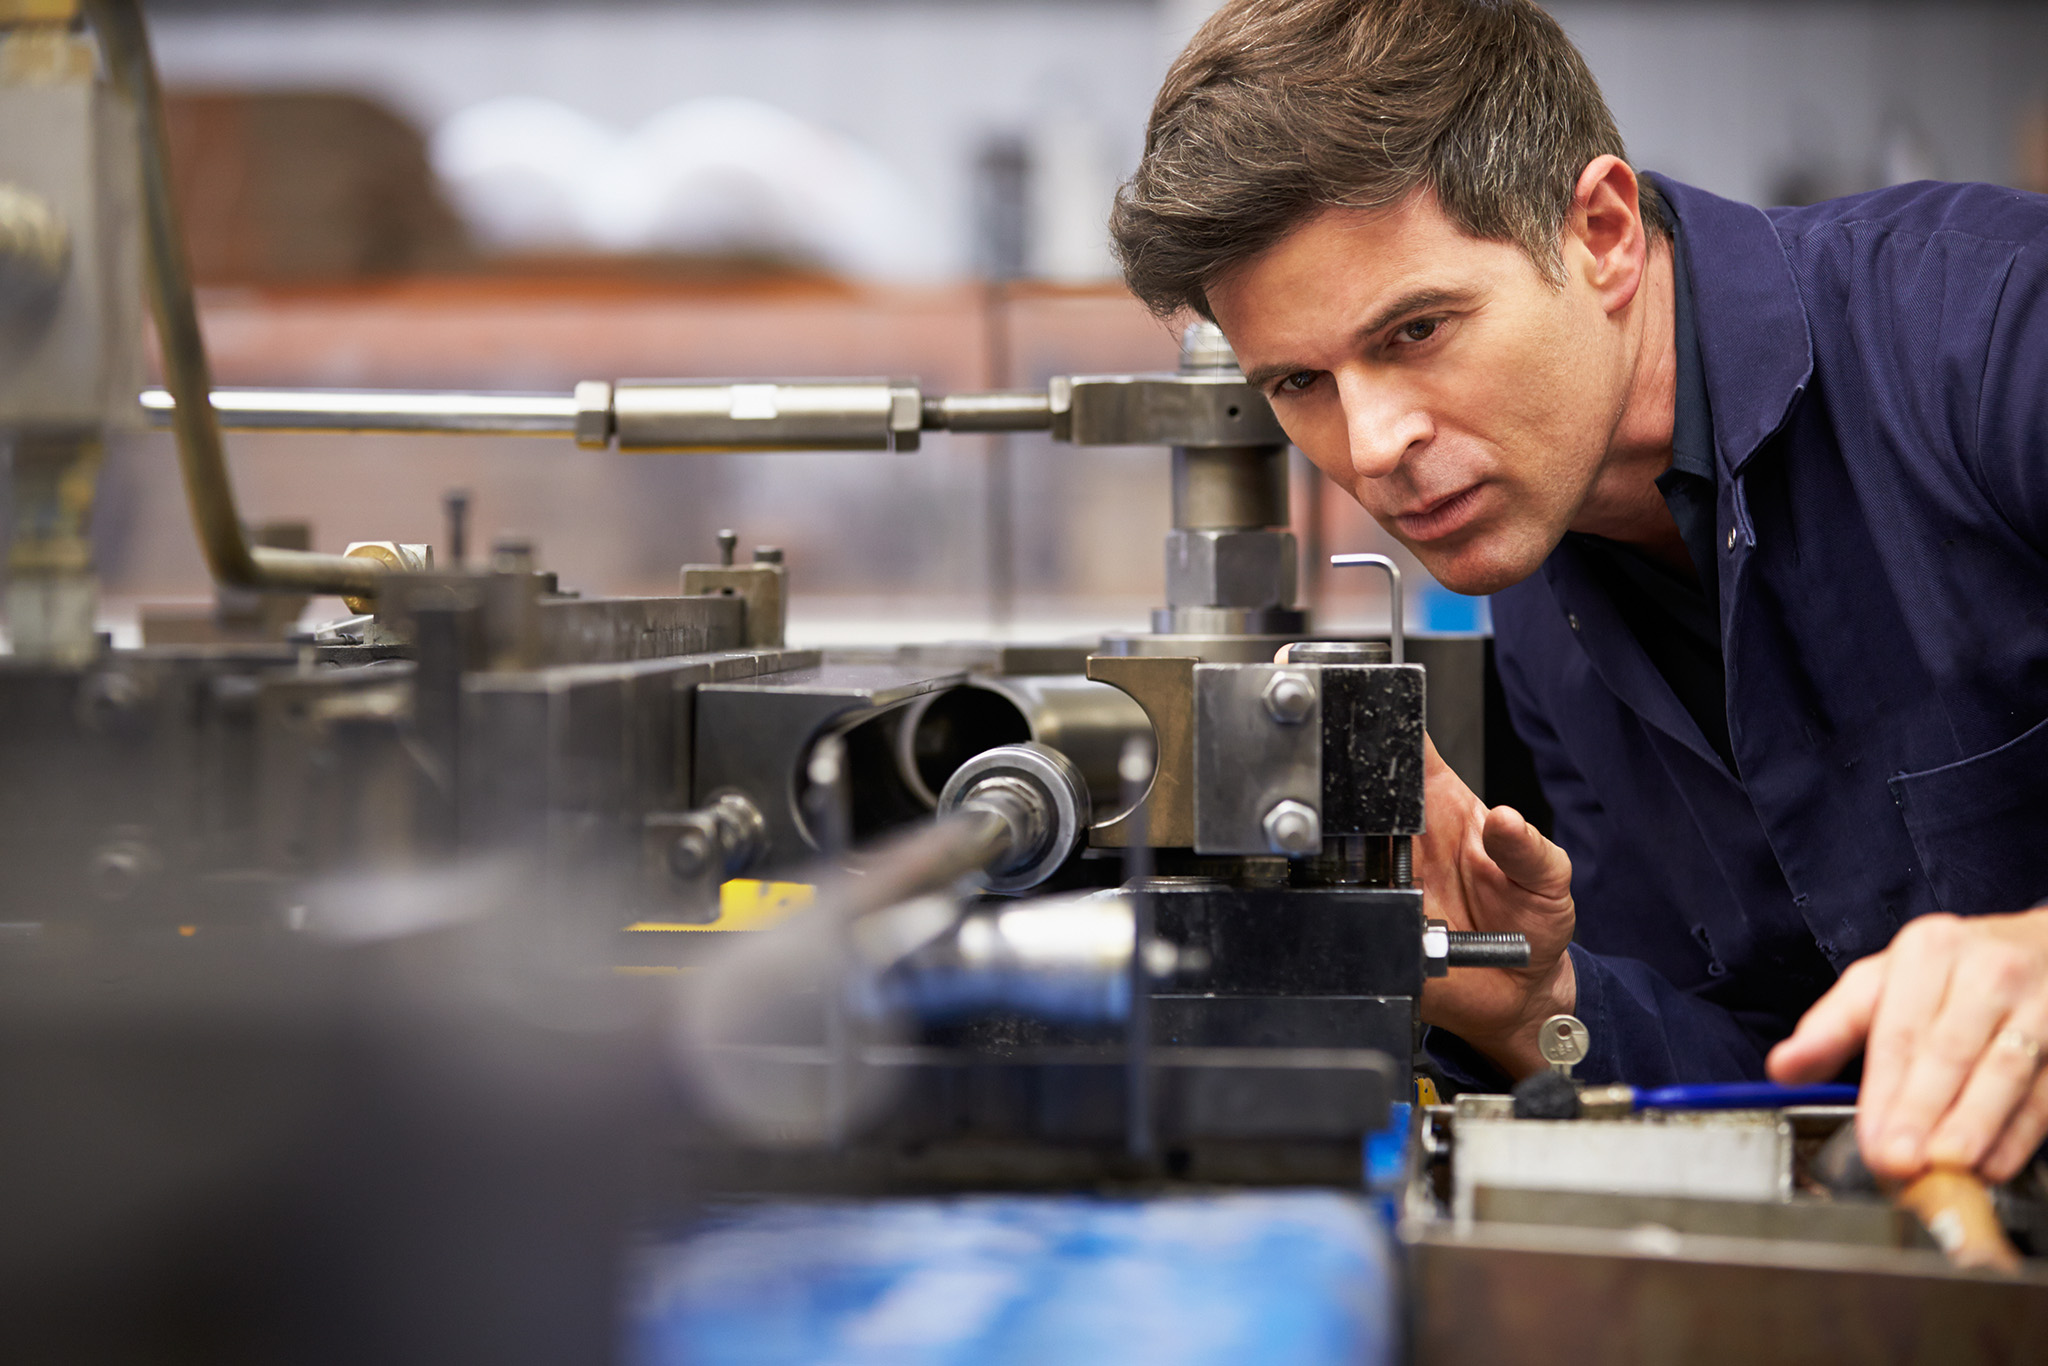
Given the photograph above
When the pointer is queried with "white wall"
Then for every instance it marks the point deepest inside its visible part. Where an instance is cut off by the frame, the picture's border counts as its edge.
(921, 83)
(1732, 96)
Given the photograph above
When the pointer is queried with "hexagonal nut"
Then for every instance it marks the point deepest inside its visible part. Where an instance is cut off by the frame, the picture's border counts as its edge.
(121, 866)
(1216, 568)
(1293, 828)
(35, 246)
(1289, 698)
(694, 853)
(594, 414)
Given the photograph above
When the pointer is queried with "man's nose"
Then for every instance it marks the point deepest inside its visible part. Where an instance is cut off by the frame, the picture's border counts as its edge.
(1382, 425)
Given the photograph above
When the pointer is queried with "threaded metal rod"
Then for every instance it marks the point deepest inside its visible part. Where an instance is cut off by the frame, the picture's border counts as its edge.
(1486, 949)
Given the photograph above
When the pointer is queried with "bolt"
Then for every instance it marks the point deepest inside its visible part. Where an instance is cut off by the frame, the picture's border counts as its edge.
(1293, 828)
(1289, 698)
(117, 870)
(512, 555)
(767, 554)
(692, 854)
(110, 699)
(728, 542)
(455, 503)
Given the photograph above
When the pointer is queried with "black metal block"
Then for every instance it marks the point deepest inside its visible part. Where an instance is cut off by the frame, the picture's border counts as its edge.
(1372, 749)
(1290, 941)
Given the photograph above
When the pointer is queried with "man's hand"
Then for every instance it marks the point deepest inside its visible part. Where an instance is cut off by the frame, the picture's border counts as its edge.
(1487, 868)
(1954, 1013)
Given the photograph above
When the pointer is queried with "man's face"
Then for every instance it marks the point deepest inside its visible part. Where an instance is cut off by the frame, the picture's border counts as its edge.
(1464, 401)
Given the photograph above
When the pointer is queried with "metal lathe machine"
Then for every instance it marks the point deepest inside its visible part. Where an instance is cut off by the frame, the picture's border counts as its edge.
(489, 972)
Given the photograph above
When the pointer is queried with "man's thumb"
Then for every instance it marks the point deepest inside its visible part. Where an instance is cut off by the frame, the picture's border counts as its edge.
(1520, 850)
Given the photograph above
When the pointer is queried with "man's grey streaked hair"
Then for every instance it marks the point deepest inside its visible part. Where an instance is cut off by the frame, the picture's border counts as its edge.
(1282, 108)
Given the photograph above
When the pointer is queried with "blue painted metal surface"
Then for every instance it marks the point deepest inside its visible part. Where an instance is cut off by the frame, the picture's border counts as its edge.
(1386, 1161)
(1278, 1278)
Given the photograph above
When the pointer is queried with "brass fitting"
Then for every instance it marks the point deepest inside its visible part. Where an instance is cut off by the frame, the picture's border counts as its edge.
(398, 557)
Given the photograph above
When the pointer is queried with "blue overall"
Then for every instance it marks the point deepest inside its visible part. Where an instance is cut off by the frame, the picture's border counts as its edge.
(1877, 371)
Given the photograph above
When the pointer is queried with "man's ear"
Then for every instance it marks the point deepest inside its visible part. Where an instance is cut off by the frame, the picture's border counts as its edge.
(1606, 241)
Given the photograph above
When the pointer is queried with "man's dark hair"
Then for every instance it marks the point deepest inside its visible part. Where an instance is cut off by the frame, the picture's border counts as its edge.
(1282, 108)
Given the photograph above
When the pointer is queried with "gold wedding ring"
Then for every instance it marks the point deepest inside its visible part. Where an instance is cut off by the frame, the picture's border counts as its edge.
(2019, 1042)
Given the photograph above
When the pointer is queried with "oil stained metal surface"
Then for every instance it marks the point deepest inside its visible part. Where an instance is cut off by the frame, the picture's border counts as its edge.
(1372, 749)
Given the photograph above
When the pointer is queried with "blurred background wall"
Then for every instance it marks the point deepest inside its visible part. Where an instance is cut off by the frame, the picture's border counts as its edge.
(520, 195)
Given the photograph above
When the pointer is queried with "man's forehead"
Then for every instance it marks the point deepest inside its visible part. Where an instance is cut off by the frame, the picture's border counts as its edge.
(1339, 270)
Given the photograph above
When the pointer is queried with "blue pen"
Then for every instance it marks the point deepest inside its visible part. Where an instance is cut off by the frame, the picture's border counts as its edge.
(1741, 1095)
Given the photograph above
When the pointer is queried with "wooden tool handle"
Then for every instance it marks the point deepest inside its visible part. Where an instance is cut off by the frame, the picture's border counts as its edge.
(1955, 1206)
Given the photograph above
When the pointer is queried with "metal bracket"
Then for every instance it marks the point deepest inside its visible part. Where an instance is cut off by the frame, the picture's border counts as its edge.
(1258, 764)
(763, 587)
(1164, 686)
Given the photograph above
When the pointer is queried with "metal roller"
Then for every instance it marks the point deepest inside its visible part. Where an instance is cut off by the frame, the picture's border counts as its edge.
(1086, 721)
(1037, 795)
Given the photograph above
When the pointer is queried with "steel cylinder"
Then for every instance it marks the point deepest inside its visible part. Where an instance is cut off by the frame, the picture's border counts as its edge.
(1229, 488)
(1230, 560)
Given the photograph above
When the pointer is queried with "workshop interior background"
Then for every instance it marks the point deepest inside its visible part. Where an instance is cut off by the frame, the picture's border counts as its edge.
(506, 195)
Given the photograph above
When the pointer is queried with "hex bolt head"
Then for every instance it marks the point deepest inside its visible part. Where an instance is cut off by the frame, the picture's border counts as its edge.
(691, 855)
(1289, 698)
(1293, 828)
(117, 871)
(594, 422)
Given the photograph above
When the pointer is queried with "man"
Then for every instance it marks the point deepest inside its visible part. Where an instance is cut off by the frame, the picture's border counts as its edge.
(1763, 501)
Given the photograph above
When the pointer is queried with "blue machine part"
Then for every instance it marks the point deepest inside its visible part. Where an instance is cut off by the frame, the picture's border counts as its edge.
(1443, 610)
(1295, 1278)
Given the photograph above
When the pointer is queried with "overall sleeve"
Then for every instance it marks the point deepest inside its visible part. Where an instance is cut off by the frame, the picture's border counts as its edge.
(2011, 446)
(1645, 1030)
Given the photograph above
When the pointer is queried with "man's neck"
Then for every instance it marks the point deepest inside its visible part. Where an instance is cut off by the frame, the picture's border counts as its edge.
(1626, 504)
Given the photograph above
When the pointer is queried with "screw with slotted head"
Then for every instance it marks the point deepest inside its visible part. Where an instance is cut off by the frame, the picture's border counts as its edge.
(1289, 698)
(1293, 828)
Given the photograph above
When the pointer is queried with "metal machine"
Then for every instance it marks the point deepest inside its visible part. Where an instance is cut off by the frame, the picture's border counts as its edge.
(1135, 910)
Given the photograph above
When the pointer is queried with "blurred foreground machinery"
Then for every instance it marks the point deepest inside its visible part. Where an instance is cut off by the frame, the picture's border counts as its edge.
(427, 930)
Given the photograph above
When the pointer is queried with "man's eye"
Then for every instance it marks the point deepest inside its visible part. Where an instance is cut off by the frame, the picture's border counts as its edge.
(1420, 330)
(1297, 382)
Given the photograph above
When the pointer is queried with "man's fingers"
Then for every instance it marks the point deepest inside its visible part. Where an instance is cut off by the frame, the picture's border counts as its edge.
(1921, 964)
(2001, 1079)
(1833, 1030)
(1521, 852)
(1956, 1079)
(2022, 1136)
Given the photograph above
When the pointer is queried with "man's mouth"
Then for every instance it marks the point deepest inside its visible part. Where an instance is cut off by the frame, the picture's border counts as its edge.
(1444, 517)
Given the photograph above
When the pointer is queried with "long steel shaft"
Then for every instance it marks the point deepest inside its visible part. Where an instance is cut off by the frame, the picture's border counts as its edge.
(364, 410)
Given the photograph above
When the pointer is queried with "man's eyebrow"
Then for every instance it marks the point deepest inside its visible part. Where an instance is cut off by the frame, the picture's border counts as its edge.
(1415, 301)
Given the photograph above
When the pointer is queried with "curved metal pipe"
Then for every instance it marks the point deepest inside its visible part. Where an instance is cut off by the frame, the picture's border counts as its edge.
(124, 42)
